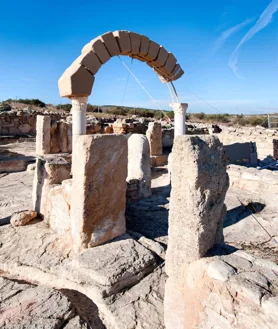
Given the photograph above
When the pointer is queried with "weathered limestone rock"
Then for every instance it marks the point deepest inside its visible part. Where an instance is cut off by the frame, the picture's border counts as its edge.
(197, 211)
(38, 255)
(58, 212)
(26, 306)
(220, 270)
(98, 190)
(119, 127)
(243, 300)
(141, 306)
(154, 135)
(21, 218)
(139, 163)
(115, 265)
(199, 186)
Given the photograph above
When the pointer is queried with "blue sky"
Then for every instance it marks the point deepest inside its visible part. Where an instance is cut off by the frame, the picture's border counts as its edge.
(228, 50)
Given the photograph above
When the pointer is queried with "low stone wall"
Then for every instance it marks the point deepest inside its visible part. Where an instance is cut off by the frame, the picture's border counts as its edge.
(20, 122)
(242, 153)
(263, 183)
(262, 137)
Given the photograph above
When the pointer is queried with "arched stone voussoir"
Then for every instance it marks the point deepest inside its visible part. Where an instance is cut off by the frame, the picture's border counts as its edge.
(90, 61)
(110, 43)
(76, 81)
(124, 42)
(99, 50)
(161, 58)
(135, 40)
(98, 47)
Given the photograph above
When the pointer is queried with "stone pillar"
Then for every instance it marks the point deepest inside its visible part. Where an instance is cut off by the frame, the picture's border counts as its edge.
(98, 189)
(63, 136)
(139, 166)
(179, 110)
(43, 135)
(154, 135)
(79, 107)
(197, 210)
(49, 170)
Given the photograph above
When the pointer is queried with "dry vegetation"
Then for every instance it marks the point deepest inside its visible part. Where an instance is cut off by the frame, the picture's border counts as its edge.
(124, 111)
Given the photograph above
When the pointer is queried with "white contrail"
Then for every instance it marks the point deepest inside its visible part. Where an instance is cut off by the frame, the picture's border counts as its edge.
(229, 32)
(261, 23)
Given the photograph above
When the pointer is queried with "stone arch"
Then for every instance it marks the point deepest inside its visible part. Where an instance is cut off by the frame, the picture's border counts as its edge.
(78, 79)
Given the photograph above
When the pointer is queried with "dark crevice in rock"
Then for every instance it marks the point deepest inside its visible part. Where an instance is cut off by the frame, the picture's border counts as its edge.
(85, 308)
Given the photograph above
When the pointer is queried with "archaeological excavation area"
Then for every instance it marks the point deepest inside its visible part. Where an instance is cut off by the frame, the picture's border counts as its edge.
(136, 223)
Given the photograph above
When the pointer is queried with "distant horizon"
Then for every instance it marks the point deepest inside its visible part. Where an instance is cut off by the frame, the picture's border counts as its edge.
(150, 108)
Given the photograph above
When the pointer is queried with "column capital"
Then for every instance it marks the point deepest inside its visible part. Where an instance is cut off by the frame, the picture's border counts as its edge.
(179, 107)
(79, 103)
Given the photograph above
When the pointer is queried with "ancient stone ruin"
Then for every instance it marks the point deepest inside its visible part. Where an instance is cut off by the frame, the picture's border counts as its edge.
(97, 234)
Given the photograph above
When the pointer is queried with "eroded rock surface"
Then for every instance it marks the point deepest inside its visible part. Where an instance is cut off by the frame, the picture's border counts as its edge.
(26, 306)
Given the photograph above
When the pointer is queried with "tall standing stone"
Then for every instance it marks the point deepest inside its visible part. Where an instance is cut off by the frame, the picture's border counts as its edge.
(197, 210)
(99, 189)
(154, 135)
(275, 149)
(139, 164)
(43, 135)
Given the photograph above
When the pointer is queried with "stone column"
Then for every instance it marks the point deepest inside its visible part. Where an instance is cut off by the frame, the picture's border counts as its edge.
(79, 106)
(179, 109)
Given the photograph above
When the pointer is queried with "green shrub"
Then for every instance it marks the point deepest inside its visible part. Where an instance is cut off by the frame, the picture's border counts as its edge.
(257, 121)
(200, 116)
(34, 102)
(65, 107)
(240, 120)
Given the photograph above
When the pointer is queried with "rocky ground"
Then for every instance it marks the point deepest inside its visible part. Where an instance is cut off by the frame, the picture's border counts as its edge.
(125, 278)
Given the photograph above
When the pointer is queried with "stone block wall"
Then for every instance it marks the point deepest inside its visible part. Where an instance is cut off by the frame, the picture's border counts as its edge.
(261, 182)
(20, 122)
(242, 153)
(262, 137)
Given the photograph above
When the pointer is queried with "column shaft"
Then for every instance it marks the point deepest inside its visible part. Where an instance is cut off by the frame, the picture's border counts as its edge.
(179, 110)
(79, 106)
